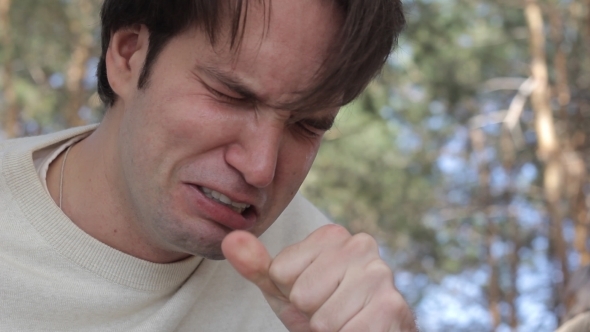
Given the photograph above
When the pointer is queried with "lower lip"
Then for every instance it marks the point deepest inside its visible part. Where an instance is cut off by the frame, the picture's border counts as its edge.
(218, 212)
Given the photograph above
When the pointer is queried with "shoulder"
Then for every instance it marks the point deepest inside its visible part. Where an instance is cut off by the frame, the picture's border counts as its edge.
(580, 323)
(32, 143)
(17, 165)
(299, 219)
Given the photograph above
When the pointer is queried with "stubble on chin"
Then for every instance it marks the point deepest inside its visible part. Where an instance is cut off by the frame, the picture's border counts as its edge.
(190, 240)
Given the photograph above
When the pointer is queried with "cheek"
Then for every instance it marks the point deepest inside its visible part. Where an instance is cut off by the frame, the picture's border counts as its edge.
(296, 161)
(145, 143)
(194, 121)
(310, 157)
(292, 169)
(309, 151)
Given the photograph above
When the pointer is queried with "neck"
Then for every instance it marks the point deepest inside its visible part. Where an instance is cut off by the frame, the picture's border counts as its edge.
(94, 197)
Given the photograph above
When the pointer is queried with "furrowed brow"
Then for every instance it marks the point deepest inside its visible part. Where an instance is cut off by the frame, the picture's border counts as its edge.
(236, 85)
(230, 82)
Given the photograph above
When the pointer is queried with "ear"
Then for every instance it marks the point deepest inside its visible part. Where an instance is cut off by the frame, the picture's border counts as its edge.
(125, 58)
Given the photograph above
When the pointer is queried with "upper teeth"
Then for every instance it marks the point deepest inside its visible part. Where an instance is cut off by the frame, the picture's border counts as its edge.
(238, 207)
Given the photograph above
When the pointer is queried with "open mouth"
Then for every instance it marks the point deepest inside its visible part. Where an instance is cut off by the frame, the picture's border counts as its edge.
(222, 199)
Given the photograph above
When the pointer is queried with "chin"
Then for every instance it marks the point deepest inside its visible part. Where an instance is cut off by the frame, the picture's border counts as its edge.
(198, 238)
(218, 256)
(206, 248)
(210, 251)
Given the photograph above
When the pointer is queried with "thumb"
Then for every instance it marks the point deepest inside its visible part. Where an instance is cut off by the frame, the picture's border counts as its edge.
(251, 259)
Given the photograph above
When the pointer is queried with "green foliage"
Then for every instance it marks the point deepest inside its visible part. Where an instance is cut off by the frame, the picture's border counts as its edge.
(43, 38)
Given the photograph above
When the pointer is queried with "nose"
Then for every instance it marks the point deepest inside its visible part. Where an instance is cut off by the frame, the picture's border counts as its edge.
(256, 152)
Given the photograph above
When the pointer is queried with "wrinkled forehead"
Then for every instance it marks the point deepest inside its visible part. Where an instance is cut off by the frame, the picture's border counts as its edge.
(235, 15)
(280, 47)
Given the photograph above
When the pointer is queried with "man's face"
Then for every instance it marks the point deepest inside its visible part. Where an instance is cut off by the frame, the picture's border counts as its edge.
(206, 148)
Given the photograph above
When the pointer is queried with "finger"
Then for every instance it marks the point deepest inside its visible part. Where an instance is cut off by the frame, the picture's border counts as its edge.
(290, 263)
(251, 259)
(318, 282)
(383, 314)
(326, 273)
(359, 287)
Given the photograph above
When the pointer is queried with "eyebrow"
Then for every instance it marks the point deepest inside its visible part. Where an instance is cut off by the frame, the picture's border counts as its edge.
(238, 86)
(232, 83)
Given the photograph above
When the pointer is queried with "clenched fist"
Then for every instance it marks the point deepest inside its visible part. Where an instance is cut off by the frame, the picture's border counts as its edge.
(331, 281)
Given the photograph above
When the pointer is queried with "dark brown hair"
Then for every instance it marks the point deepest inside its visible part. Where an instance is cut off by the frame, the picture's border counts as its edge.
(367, 36)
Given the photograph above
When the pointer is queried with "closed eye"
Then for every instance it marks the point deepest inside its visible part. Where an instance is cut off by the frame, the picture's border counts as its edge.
(315, 127)
(321, 124)
(225, 97)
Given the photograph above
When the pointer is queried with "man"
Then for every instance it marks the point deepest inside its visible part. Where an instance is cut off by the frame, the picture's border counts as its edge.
(216, 110)
(577, 294)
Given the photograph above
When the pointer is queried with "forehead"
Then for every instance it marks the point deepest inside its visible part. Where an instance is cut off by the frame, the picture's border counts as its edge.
(282, 47)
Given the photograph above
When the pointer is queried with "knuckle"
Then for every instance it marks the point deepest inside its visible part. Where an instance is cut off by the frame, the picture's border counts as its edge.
(318, 324)
(363, 243)
(379, 270)
(302, 301)
(334, 230)
(279, 273)
(392, 303)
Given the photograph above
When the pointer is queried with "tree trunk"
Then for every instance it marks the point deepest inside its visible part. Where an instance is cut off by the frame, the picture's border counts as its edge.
(11, 123)
(514, 260)
(494, 292)
(508, 153)
(484, 202)
(560, 60)
(575, 165)
(548, 145)
(582, 226)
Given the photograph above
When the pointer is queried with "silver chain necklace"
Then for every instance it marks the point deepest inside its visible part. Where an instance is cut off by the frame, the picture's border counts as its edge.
(61, 177)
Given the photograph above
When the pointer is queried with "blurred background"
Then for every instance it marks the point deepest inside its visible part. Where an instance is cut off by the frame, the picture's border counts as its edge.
(467, 158)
